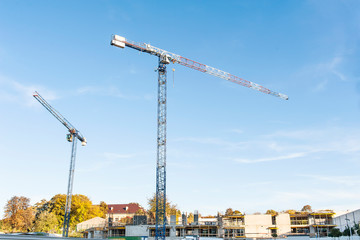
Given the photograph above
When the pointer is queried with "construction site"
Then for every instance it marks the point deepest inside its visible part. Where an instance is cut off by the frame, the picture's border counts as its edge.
(233, 177)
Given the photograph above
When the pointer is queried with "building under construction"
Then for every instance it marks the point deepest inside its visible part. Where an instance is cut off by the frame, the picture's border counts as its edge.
(259, 226)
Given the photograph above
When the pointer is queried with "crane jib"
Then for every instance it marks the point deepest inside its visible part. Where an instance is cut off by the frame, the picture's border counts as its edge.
(174, 58)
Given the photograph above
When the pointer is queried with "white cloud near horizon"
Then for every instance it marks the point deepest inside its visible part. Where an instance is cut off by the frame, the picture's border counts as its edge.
(286, 145)
(350, 181)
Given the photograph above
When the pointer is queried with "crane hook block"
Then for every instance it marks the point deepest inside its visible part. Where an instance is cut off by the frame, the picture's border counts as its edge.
(69, 137)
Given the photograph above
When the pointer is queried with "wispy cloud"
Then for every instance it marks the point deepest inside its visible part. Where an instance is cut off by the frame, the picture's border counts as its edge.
(14, 91)
(340, 180)
(116, 156)
(112, 92)
(96, 90)
(212, 141)
(107, 159)
(324, 73)
(278, 158)
(239, 131)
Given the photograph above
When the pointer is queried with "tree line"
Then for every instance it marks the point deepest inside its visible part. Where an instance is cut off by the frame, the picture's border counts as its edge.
(48, 216)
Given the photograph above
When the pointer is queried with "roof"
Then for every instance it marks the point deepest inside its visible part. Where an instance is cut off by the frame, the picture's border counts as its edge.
(130, 208)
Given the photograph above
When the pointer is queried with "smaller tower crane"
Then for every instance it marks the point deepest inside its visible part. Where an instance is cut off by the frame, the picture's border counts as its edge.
(73, 136)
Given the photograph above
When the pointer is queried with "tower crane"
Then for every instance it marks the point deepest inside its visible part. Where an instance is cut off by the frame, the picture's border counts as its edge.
(73, 136)
(164, 58)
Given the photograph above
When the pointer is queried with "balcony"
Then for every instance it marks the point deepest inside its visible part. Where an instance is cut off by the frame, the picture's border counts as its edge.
(299, 222)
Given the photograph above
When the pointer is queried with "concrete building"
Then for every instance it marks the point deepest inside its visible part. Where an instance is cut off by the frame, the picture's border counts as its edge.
(347, 219)
(255, 226)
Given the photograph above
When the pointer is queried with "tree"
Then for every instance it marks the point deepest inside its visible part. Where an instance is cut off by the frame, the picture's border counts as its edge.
(190, 218)
(46, 222)
(19, 215)
(357, 229)
(141, 211)
(306, 208)
(103, 209)
(229, 212)
(335, 232)
(271, 212)
(127, 220)
(291, 211)
(236, 212)
(347, 232)
(82, 209)
(171, 209)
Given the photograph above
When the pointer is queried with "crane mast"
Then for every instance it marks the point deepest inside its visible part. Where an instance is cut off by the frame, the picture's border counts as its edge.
(73, 136)
(165, 58)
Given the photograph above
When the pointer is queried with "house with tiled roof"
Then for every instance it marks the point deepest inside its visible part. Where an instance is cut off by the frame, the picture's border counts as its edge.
(116, 212)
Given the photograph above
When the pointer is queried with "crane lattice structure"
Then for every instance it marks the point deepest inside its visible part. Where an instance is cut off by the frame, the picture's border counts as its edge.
(165, 58)
(73, 135)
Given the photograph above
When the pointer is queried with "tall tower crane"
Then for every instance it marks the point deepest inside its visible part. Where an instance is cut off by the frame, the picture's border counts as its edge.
(73, 136)
(165, 58)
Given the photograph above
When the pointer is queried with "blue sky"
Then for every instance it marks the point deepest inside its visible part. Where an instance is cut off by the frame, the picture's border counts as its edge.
(228, 146)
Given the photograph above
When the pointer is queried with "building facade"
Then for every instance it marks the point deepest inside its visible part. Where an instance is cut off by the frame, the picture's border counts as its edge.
(347, 219)
(256, 226)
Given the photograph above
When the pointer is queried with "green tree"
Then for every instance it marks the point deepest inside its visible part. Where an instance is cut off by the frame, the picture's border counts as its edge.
(335, 232)
(41, 206)
(346, 232)
(19, 214)
(82, 209)
(357, 229)
(46, 222)
(57, 206)
(306, 208)
(171, 209)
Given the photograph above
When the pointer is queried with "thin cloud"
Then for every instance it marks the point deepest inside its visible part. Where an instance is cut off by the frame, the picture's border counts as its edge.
(239, 131)
(212, 141)
(116, 156)
(111, 92)
(104, 91)
(107, 160)
(326, 72)
(340, 180)
(14, 91)
(278, 158)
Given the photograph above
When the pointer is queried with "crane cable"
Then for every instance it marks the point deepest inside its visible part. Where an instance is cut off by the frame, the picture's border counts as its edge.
(173, 70)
